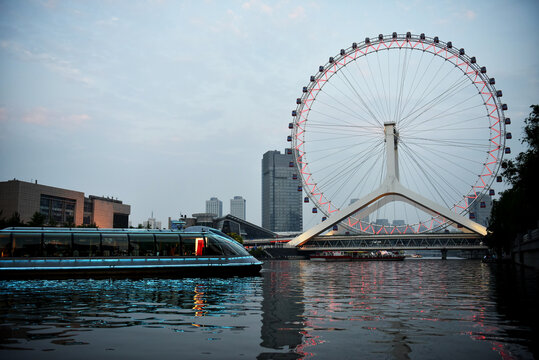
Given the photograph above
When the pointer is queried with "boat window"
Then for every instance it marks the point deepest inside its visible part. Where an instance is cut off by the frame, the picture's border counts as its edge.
(238, 248)
(212, 247)
(114, 245)
(188, 245)
(86, 245)
(26, 245)
(228, 249)
(142, 245)
(167, 244)
(56, 245)
(5, 245)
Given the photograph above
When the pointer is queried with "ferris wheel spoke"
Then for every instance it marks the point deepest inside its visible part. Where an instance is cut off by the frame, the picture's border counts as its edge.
(360, 107)
(442, 155)
(381, 76)
(338, 177)
(347, 164)
(414, 89)
(411, 91)
(431, 183)
(398, 108)
(427, 90)
(351, 113)
(349, 176)
(445, 112)
(471, 144)
(457, 125)
(434, 101)
(377, 97)
(456, 164)
(366, 82)
(358, 89)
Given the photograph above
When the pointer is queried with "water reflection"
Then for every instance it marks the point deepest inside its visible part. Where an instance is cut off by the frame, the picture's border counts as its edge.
(282, 311)
(295, 310)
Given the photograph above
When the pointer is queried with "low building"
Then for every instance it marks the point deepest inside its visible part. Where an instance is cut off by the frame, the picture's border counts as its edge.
(229, 224)
(61, 206)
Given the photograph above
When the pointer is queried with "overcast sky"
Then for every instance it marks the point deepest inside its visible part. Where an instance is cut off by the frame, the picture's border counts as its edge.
(164, 104)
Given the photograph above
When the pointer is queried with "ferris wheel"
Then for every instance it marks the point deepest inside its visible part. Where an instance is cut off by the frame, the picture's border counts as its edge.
(446, 118)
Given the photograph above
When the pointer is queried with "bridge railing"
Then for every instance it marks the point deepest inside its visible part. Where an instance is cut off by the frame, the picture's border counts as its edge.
(400, 243)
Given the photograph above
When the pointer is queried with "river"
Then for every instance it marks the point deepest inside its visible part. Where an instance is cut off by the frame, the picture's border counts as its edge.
(414, 309)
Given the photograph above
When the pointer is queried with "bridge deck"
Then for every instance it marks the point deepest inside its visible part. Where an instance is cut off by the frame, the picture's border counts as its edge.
(388, 242)
(396, 242)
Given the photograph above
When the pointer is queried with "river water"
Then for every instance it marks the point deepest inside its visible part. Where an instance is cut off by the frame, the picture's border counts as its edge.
(415, 309)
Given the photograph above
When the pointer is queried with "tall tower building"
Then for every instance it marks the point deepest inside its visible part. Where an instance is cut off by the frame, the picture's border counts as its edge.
(214, 206)
(237, 207)
(281, 200)
(480, 210)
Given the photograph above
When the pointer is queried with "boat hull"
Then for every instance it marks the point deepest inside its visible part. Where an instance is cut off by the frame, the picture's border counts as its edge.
(17, 268)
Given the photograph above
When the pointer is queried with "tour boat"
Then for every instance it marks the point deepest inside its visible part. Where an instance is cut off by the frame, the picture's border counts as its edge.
(356, 256)
(80, 252)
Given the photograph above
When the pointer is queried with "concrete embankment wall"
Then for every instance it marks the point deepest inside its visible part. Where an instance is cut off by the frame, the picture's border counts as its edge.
(526, 249)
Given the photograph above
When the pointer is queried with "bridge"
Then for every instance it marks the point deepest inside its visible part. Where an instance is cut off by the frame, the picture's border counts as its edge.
(425, 241)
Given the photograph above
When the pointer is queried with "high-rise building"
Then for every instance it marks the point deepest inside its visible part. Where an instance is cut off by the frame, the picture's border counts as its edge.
(214, 206)
(237, 207)
(480, 210)
(281, 201)
(151, 223)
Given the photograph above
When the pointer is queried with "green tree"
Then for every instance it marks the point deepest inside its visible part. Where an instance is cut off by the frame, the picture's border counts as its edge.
(69, 222)
(52, 222)
(516, 211)
(91, 225)
(3, 222)
(15, 220)
(236, 237)
(38, 219)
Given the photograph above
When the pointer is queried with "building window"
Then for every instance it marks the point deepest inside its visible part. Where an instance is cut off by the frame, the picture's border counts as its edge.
(57, 209)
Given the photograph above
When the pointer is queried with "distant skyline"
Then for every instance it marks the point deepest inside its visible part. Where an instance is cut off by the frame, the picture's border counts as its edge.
(160, 103)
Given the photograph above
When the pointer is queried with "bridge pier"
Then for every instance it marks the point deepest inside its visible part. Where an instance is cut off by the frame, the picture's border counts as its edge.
(444, 254)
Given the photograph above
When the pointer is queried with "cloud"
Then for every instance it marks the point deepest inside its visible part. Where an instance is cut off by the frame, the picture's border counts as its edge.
(60, 66)
(48, 118)
(3, 114)
(297, 13)
(470, 15)
(258, 6)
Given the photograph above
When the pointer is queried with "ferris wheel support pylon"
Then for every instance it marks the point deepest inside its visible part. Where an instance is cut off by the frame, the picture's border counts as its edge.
(388, 191)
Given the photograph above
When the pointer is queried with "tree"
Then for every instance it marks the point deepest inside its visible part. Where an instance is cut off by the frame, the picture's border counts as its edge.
(69, 222)
(3, 222)
(516, 211)
(236, 237)
(38, 219)
(15, 220)
(52, 222)
(91, 225)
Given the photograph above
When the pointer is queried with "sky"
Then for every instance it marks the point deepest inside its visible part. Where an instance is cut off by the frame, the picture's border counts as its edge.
(164, 104)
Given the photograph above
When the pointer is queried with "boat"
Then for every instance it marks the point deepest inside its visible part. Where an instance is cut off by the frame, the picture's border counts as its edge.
(331, 256)
(380, 255)
(83, 252)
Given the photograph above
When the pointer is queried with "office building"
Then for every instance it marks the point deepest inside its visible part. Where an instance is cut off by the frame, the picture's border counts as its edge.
(151, 223)
(61, 206)
(480, 210)
(214, 206)
(237, 207)
(281, 193)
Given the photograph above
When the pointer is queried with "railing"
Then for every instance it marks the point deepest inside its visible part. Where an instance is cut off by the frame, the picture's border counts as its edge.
(397, 242)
